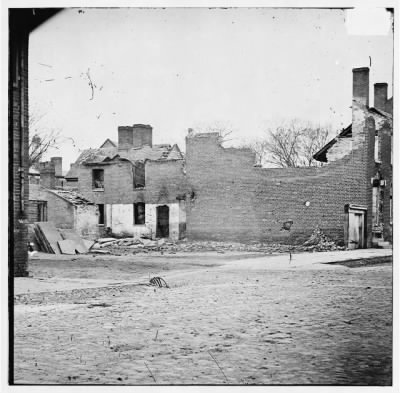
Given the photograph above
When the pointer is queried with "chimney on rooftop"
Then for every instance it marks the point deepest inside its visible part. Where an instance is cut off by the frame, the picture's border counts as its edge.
(47, 174)
(136, 136)
(57, 165)
(380, 96)
(361, 85)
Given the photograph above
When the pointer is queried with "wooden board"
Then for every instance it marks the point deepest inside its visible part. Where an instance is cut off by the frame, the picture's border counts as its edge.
(70, 234)
(67, 246)
(49, 236)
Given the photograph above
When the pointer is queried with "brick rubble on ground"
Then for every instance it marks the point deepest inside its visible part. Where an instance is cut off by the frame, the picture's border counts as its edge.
(318, 241)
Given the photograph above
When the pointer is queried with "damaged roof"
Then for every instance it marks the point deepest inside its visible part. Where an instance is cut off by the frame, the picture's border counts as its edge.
(345, 133)
(321, 154)
(156, 152)
(71, 196)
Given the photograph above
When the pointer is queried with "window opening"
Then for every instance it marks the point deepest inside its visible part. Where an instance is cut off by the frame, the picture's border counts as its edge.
(98, 178)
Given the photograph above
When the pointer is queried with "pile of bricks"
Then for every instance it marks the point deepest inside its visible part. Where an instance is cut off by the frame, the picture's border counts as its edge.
(317, 242)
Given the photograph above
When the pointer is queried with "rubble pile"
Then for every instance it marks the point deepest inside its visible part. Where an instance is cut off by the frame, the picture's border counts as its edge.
(318, 241)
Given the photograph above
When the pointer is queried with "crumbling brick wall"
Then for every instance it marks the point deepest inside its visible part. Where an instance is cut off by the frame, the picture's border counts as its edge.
(233, 200)
(164, 181)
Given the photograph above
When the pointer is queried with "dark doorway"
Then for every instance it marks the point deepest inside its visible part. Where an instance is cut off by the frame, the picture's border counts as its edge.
(101, 214)
(162, 221)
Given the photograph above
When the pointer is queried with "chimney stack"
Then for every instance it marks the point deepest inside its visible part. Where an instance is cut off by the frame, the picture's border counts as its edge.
(57, 161)
(380, 96)
(361, 85)
(136, 136)
(142, 135)
(47, 174)
(125, 137)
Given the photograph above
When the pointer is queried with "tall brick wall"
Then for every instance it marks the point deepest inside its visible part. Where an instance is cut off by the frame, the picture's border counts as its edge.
(18, 148)
(385, 168)
(233, 200)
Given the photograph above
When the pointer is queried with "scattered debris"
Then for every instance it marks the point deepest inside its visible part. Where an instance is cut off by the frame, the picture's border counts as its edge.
(318, 241)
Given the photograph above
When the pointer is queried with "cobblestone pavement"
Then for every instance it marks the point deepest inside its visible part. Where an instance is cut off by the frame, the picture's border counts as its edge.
(216, 324)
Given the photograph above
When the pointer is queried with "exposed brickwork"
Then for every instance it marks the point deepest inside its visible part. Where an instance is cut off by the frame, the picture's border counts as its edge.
(164, 181)
(18, 149)
(59, 211)
(136, 136)
(233, 200)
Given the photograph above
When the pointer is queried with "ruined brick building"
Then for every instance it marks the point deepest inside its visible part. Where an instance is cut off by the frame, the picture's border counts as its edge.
(49, 200)
(349, 197)
(139, 187)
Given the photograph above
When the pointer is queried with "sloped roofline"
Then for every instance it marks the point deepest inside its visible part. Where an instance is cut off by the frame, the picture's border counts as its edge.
(320, 155)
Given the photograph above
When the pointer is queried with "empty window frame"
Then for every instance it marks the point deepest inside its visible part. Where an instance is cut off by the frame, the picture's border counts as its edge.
(98, 178)
(377, 151)
(139, 175)
(101, 213)
(139, 213)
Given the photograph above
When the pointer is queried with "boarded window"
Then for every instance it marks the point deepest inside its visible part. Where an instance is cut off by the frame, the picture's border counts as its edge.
(101, 214)
(139, 213)
(98, 178)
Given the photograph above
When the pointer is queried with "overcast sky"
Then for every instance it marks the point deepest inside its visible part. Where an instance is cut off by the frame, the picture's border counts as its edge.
(180, 68)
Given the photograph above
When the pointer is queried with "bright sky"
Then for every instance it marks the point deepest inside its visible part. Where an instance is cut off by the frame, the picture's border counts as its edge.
(179, 68)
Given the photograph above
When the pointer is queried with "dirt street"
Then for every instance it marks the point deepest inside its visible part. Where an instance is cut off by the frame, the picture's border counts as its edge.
(226, 319)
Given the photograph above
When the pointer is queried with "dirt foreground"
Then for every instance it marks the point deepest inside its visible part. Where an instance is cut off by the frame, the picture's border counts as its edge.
(226, 319)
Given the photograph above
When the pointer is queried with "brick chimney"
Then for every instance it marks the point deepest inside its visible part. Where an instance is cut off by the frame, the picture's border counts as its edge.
(136, 136)
(361, 85)
(142, 135)
(125, 137)
(47, 174)
(380, 96)
(57, 165)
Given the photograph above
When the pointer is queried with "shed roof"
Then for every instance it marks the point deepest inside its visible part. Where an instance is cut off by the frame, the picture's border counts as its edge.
(71, 196)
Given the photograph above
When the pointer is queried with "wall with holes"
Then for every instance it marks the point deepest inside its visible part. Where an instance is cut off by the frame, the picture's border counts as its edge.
(233, 200)
(120, 218)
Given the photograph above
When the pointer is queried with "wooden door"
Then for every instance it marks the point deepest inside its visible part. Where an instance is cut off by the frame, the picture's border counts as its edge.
(162, 221)
(356, 230)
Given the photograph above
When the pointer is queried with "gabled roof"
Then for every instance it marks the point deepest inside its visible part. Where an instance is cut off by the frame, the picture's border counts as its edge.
(321, 154)
(72, 173)
(108, 143)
